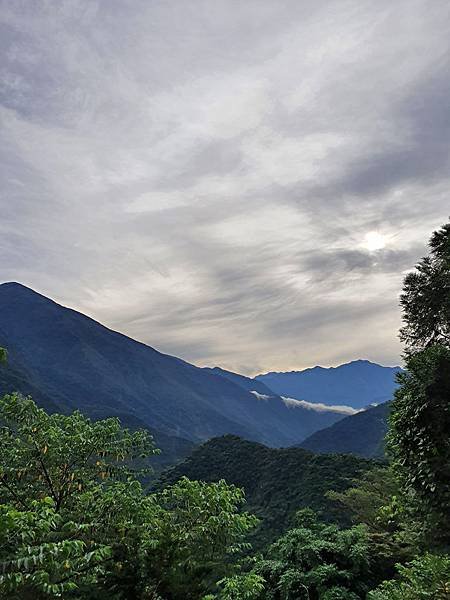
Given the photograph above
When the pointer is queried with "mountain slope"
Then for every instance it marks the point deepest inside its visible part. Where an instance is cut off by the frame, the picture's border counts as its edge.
(357, 384)
(277, 482)
(68, 361)
(249, 384)
(312, 420)
(361, 434)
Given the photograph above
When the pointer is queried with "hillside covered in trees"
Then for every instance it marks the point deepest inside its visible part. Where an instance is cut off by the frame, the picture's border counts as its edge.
(276, 482)
(362, 434)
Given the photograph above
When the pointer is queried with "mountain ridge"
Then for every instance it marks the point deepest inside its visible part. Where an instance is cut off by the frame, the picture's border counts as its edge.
(78, 363)
(358, 384)
(277, 481)
(361, 434)
(321, 367)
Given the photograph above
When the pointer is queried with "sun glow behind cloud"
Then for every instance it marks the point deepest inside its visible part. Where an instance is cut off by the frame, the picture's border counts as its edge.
(374, 241)
(240, 184)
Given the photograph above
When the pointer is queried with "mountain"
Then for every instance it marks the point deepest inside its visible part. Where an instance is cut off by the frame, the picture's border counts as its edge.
(312, 419)
(357, 384)
(249, 384)
(68, 361)
(361, 434)
(277, 482)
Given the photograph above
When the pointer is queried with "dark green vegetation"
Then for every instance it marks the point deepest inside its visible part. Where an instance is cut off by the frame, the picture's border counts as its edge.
(361, 434)
(277, 482)
(426, 297)
(357, 384)
(419, 436)
(67, 361)
(76, 522)
(317, 561)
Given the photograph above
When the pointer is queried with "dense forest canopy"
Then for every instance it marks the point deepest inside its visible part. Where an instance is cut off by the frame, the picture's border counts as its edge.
(76, 520)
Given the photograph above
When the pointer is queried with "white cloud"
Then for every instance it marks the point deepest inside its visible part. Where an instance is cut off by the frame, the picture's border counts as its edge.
(259, 396)
(319, 407)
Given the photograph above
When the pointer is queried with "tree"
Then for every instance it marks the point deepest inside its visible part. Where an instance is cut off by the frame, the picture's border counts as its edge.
(247, 586)
(419, 438)
(75, 522)
(58, 455)
(3, 355)
(426, 297)
(194, 531)
(316, 561)
(43, 555)
(375, 499)
(368, 497)
(425, 578)
(53, 543)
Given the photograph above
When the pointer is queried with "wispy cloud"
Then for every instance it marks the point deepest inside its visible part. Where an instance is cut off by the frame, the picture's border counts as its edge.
(320, 407)
(203, 175)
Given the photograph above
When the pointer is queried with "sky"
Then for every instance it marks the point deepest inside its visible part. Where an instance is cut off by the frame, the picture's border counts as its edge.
(238, 183)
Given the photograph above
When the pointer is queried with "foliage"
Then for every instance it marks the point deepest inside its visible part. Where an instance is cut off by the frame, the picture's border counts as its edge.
(419, 431)
(316, 561)
(247, 586)
(58, 455)
(3, 355)
(277, 482)
(393, 533)
(367, 498)
(75, 521)
(418, 438)
(194, 529)
(425, 578)
(426, 296)
(42, 553)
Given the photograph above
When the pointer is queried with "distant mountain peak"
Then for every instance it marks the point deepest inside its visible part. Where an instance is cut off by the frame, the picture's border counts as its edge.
(357, 384)
(13, 287)
(14, 284)
(355, 362)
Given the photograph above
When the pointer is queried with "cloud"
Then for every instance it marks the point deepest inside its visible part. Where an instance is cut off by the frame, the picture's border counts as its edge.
(259, 396)
(202, 176)
(320, 407)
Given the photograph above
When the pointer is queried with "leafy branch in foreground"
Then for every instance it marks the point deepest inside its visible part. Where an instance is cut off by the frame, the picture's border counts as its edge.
(59, 456)
(75, 522)
(41, 553)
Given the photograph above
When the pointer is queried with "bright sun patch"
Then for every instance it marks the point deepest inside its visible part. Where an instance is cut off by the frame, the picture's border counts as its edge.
(374, 241)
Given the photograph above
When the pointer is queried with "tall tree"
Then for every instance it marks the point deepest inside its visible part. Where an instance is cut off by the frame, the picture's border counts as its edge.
(420, 417)
(426, 297)
(419, 433)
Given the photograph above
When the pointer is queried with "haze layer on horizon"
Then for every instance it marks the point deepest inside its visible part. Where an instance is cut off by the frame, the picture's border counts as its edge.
(235, 183)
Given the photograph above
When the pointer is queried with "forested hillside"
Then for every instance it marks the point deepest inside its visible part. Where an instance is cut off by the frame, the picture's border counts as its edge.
(362, 434)
(277, 482)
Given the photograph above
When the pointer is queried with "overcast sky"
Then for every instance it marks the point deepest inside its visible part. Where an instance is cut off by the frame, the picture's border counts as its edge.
(240, 183)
